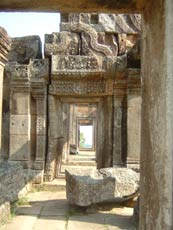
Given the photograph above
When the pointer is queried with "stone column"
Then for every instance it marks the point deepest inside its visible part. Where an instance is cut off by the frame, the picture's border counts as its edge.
(39, 79)
(133, 118)
(4, 49)
(66, 131)
(52, 138)
(38, 164)
(100, 133)
(55, 137)
(117, 130)
(156, 201)
(104, 156)
(19, 145)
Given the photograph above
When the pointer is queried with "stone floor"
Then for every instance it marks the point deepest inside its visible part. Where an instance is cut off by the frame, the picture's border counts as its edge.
(50, 210)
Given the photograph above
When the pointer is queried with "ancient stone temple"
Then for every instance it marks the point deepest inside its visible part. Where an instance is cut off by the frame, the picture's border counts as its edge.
(90, 76)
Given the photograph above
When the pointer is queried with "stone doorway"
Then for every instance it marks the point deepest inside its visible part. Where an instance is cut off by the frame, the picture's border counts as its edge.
(76, 115)
(86, 134)
(70, 115)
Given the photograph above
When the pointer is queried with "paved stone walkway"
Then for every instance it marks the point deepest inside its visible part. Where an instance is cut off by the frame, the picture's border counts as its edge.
(51, 211)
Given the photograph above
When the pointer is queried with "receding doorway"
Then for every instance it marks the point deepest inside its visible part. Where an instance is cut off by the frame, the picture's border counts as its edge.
(86, 134)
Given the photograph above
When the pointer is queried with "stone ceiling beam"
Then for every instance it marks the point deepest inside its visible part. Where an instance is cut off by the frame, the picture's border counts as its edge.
(106, 6)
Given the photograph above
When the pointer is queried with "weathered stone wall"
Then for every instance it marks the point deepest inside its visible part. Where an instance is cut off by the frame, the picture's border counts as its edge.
(12, 186)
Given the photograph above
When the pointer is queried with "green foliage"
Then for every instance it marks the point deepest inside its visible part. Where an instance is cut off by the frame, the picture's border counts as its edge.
(22, 201)
(82, 140)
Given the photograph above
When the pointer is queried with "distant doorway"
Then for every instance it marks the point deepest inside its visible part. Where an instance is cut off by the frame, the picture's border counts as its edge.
(86, 134)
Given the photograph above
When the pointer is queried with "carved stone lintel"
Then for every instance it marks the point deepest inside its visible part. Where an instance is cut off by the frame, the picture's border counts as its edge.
(70, 64)
(81, 87)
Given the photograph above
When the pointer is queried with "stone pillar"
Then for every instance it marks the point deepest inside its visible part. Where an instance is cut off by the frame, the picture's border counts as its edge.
(66, 130)
(133, 119)
(20, 145)
(4, 49)
(39, 79)
(156, 201)
(38, 164)
(52, 139)
(104, 156)
(117, 131)
(55, 137)
(100, 133)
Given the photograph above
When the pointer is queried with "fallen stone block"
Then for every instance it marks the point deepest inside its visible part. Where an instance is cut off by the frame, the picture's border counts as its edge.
(73, 149)
(86, 187)
(12, 182)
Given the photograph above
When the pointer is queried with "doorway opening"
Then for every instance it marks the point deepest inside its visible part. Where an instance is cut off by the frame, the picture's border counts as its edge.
(86, 138)
(80, 135)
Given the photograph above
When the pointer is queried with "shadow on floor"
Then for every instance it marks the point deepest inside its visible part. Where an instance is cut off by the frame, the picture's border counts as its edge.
(51, 210)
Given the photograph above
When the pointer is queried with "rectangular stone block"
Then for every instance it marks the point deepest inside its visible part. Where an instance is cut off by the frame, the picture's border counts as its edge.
(19, 147)
(86, 187)
(25, 48)
(20, 103)
(19, 124)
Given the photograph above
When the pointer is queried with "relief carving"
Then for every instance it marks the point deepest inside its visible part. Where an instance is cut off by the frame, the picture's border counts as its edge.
(75, 63)
(93, 35)
(17, 72)
(73, 87)
(40, 124)
(63, 43)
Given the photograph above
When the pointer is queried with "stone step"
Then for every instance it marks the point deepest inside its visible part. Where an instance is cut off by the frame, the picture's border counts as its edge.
(64, 167)
(79, 163)
(82, 158)
(57, 184)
